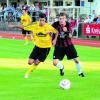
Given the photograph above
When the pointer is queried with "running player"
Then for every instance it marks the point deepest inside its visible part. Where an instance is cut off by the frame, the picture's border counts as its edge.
(42, 40)
(64, 46)
(26, 20)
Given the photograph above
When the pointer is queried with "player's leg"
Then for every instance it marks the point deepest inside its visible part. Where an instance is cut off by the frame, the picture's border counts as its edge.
(32, 67)
(38, 55)
(59, 65)
(24, 33)
(72, 54)
(78, 67)
(33, 56)
(57, 56)
(29, 35)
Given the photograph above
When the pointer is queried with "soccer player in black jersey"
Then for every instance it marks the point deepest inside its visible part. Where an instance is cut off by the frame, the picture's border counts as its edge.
(64, 45)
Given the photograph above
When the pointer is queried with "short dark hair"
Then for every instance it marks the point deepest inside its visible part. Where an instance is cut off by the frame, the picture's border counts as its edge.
(62, 14)
(42, 15)
(25, 8)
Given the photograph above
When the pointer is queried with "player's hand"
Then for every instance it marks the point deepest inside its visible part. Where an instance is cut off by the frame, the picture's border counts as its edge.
(48, 32)
(70, 35)
(54, 42)
(10, 26)
(65, 29)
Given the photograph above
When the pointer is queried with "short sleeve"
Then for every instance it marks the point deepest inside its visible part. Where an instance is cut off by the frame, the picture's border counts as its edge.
(29, 28)
(52, 29)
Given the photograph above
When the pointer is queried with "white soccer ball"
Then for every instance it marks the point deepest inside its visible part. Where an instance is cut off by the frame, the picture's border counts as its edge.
(65, 84)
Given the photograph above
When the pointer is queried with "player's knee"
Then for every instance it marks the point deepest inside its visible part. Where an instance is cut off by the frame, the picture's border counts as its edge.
(30, 62)
(36, 62)
(76, 61)
(55, 63)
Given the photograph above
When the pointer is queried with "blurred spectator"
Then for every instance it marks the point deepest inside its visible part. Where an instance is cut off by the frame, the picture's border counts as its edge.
(53, 14)
(88, 19)
(7, 10)
(25, 4)
(73, 24)
(32, 8)
(1, 8)
(36, 6)
(95, 20)
(93, 15)
(1, 12)
(36, 12)
(98, 20)
(18, 14)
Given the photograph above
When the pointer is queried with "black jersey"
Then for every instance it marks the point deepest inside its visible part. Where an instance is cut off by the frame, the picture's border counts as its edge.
(63, 39)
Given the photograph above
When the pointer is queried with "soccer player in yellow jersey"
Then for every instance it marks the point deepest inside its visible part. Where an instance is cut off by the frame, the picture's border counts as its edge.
(42, 40)
(26, 20)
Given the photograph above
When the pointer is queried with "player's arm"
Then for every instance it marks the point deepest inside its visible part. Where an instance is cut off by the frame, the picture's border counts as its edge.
(69, 34)
(16, 26)
(53, 30)
(67, 30)
(30, 20)
(21, 26)
(29, 27)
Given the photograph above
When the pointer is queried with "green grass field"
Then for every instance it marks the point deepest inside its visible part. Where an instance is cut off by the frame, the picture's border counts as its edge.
(43, 83)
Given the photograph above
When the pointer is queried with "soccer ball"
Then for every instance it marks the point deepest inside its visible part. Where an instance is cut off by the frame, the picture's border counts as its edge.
(65, 84)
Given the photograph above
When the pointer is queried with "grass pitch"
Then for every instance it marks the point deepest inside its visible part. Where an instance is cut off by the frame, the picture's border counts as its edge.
(43, 83)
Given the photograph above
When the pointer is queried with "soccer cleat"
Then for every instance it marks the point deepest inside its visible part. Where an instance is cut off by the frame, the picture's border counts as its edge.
(62, 71)
(81, 75)
(26, 76)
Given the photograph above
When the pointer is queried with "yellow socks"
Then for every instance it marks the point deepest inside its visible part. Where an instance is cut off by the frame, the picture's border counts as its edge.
(33, 67)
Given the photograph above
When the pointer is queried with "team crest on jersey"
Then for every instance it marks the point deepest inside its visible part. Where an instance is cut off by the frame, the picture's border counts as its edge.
(62, 35)
(40, 34)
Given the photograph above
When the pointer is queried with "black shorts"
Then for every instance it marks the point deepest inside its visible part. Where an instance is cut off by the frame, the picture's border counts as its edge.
(39, 53)
(25, 32)
(69, 51)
